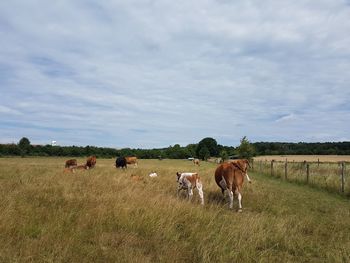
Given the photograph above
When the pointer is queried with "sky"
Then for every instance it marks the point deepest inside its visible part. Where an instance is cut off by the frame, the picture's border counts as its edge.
(150, 74)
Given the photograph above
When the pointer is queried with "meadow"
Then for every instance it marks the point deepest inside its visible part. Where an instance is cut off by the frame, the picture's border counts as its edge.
(103, 215)
(317, 171)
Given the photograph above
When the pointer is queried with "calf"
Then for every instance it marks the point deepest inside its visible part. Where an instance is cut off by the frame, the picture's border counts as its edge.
(91, 162)
(71, 163)
(189, 181)
(196, 162)
(120, 162)
(131, 160)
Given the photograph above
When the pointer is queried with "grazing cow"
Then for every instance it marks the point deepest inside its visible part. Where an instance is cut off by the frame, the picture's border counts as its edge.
(189, 181)
(120, 162)
(71, 163)
(229, 176)
(243, 165)
(196, 162)
(91, 162)
(131, 160)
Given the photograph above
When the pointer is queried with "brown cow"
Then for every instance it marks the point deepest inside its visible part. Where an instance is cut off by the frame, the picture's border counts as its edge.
(90, 162)
(230, 176)
(196, 162)
(131, 160)
(71, 163)
(243, 165)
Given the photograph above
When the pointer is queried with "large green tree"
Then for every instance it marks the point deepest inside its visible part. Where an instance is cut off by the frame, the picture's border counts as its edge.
(210, 144)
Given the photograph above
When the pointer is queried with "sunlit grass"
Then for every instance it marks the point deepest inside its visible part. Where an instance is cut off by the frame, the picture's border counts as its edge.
(102, 215)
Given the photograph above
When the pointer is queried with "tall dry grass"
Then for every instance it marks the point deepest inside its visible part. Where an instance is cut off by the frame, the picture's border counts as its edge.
(102, 215)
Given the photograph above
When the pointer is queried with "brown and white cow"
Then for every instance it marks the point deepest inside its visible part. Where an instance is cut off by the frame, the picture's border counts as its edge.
(131, 160)
(189, 181)
(71, 163)
(196, 162)
(91, 162)
(230, 176)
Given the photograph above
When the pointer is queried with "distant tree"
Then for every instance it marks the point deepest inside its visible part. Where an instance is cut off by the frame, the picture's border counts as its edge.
(245, 149)
(224, 155)
(24, 146)
(210, 144)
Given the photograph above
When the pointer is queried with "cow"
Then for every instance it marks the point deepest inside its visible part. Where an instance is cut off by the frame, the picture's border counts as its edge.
(196, 162)
(243, 165)
(120, 162)
(189, 181)
(76, 167)
(91, 162)
(230, 176)
(131, 160)
(71, 163)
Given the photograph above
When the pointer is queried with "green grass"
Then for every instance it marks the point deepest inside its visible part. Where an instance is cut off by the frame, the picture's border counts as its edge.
(102, 215)
(324, 175)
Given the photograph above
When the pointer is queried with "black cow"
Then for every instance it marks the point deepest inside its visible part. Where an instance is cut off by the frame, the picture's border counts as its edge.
(120, 162)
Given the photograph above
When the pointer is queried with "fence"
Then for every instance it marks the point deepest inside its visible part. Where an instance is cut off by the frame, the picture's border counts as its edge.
(329, 176)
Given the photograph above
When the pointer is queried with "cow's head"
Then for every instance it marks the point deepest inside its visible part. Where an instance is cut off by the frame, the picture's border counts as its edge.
(241, 164)
(178, 176)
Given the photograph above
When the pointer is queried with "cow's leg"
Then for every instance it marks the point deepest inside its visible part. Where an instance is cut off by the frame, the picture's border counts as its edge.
(189, 193)
(239, 196)
(200, 192)
(223, 186)
(178, 192)
(230, 194)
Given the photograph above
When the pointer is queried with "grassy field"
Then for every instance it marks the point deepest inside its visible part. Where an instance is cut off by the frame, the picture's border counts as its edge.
(102, 215)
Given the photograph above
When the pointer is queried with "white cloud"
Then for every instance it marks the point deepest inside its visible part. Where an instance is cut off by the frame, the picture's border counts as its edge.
(150, 73)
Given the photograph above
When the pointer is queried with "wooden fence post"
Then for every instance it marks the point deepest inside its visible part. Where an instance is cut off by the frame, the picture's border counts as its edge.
(260, 166)
(307, 173)
(285, 169)
(342, 179)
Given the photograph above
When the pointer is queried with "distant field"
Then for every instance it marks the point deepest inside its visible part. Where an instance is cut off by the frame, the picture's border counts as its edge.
(301, 158)
(102, 215)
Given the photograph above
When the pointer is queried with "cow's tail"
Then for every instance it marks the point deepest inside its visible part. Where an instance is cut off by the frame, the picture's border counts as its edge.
(246, 174)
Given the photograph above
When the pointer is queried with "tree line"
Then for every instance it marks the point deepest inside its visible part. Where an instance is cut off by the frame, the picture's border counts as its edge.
(207, 147)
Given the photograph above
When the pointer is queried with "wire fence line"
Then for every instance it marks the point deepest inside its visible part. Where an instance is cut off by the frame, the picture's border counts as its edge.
(326, 175)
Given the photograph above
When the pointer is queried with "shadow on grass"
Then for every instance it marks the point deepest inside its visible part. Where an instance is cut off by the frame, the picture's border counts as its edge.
(215, 198)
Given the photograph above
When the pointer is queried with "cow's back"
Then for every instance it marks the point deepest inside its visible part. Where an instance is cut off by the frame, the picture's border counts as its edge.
(131, 160)
(226, 171)
(71, 162)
